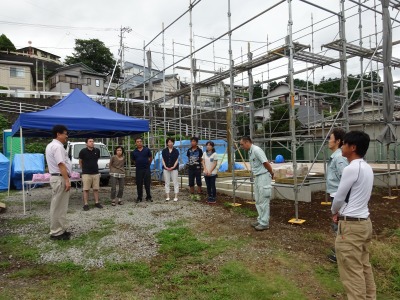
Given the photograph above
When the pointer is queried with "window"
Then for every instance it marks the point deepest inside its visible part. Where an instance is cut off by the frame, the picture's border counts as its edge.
(17, 72)
(89, 81)
(53, 82)
(17, 93)
(68, 78)
(73, 86)
(97, 81)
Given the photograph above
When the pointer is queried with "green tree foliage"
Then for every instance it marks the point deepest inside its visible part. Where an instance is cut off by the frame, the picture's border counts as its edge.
(35, 146)
(258, 93)
(4, 124)
(6, 44)
(94, 54)
(279, 124)
(243, 124)
(332, 86)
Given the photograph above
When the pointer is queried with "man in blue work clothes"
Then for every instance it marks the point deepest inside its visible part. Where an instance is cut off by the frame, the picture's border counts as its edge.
(334, 170)
(142, 158)
(263, 175)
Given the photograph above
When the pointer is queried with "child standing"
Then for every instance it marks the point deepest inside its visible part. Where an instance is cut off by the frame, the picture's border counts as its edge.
(210, 171)
(117, 174)
(194, 155)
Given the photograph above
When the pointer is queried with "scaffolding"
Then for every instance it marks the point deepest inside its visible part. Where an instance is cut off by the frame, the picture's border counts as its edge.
(334, 55)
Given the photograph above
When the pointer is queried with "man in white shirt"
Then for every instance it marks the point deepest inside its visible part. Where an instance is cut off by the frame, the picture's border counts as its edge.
(350, 209)
(60, 168)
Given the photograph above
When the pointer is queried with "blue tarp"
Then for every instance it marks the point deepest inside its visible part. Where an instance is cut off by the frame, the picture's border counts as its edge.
(33, 164)
(83, 118)
(4, 166)
(183, 146)
(224, 167)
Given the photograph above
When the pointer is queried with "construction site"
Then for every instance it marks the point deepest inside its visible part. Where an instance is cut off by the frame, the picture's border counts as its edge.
(213, 97)
(214, 102)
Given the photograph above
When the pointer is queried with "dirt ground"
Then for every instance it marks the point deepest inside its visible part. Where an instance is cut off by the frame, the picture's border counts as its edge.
(302, 245)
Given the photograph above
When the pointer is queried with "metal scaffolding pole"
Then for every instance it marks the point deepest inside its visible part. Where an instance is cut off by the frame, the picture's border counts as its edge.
(163, 58)
(295, 220)
(231, 112)
(251, 90)
(191, 65)
(343, 65)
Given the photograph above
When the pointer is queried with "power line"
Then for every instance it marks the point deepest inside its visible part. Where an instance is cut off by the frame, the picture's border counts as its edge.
(58, 26)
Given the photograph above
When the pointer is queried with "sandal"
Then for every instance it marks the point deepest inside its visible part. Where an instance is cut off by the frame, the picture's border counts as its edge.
(120, 202)
(113, 202)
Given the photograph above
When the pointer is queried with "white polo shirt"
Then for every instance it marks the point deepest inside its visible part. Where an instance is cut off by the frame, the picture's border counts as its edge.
(359, 177)
(55, 154)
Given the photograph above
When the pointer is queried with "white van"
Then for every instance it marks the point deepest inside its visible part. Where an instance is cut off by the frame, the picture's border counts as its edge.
(73, 149)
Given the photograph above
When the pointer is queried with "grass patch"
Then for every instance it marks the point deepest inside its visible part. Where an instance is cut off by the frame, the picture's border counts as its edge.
(179, 241)
(22, 221)
(245, 211)
(328, 277)
(232, 281)
(91, 237)
(314, 236)
(385, 258)
(4, 265)
(18, 247)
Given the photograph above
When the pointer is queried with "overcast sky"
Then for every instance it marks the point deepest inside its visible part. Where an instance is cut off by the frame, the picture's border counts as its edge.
(54, 25)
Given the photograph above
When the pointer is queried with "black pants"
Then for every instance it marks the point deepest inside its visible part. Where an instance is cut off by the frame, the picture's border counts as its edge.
(211, 188)
(143, 176)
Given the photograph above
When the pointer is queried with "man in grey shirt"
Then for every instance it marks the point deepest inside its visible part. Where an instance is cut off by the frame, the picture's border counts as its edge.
(263, 175)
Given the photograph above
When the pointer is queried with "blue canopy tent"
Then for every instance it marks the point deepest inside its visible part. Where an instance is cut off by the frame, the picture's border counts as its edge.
(82, 116)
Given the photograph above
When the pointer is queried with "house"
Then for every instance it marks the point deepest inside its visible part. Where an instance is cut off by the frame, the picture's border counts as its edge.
(26, 71)
(306, 114)
(172, 84)
(40, 54)
(80, 76)
(134, 75)
(365, 115)
(16, 76)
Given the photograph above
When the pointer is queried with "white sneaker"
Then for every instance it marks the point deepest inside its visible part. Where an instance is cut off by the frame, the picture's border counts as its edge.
(167, 199)
(175, 199)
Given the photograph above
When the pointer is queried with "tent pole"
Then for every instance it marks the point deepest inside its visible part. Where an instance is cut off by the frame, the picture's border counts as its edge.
(23, 168)
(9, 167)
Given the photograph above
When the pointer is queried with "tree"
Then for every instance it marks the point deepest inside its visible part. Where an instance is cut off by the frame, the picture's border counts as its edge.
(279, 120)
(6, 44)
(94, 54)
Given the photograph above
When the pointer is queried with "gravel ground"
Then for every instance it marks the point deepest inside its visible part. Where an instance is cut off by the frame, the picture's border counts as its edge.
(127, 232)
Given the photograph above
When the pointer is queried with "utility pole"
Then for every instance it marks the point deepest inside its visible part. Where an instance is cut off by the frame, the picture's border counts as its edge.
(122, 62)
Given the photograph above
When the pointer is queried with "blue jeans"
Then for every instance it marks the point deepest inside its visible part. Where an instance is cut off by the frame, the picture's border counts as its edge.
(211, 188)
